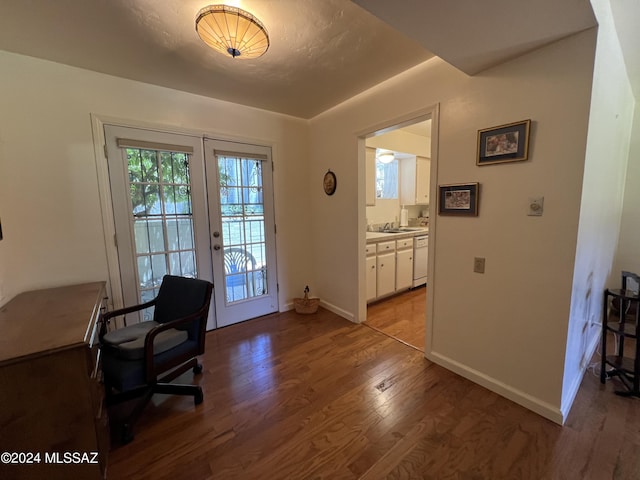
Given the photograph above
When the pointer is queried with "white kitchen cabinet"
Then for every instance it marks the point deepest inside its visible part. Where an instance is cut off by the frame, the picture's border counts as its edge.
(385, 274)
(404, 264)
(404, 243)
(371, 278)
(414, 181)
(386, 247)
(370, 176)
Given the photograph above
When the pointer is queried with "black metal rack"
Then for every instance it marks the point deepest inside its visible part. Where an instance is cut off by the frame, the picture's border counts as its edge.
(626, 325)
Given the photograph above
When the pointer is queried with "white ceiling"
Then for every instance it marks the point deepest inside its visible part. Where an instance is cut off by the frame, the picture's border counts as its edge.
(474, 35)
(322, 51)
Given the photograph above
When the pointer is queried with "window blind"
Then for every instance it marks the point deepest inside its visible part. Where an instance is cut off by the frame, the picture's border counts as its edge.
(130, 143)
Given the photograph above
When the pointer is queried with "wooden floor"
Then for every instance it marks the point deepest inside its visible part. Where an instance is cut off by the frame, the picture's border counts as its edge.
(317, 397)
(401, 317)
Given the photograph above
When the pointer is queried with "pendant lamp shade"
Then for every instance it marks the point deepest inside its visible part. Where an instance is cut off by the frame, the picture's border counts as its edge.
(232, 31)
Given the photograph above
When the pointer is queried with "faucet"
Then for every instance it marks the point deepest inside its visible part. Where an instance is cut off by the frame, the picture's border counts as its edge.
(387, 226)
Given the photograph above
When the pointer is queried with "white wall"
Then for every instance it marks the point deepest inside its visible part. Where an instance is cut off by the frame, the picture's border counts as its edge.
(401, 141)
(49, 202)
(505, 329)
(386, 210)
(603, 197)
(627, 256)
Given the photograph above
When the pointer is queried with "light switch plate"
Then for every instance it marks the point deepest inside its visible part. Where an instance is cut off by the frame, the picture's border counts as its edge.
(536, 206)
(478, 264)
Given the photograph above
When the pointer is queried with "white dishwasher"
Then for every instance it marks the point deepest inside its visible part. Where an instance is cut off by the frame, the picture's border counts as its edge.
(420, 251)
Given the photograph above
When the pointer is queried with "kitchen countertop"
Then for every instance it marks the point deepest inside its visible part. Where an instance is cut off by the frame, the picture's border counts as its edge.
(379, 236)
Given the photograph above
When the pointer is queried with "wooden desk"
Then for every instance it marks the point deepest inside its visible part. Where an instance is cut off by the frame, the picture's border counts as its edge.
(51, 398)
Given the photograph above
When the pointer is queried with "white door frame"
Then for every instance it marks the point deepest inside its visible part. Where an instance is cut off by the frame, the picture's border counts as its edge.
(433, 112)
(114, 285)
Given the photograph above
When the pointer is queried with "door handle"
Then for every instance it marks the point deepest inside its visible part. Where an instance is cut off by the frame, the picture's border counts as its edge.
(216, 247)
(216, 234)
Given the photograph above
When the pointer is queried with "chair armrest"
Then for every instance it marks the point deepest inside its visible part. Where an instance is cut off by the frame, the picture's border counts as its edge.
(151, 335)
(105, 318)
(123, 311)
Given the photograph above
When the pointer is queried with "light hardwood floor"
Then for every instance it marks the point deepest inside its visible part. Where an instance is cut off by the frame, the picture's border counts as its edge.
(317, 397)
(401, 317)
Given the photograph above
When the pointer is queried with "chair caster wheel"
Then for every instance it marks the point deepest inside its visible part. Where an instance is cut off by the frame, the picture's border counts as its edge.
(197, 369)
(198, 397)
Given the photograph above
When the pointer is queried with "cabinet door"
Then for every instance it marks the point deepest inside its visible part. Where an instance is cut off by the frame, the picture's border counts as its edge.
(370, 176)
(408, 181)
(371, 278)
(423, 166)
(386, 274)
(404, 269)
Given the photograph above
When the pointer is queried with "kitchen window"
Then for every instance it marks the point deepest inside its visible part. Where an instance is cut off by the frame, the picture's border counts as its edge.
(387, 179)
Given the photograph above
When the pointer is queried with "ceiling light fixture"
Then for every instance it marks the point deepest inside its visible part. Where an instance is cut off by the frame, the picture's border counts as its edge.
(232, 31)
(387, 157)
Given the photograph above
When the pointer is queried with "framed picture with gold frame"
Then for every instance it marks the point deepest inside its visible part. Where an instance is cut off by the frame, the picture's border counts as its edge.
(506, 143)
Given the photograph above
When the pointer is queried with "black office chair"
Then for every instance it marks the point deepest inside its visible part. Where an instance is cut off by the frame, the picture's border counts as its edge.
(133, 357)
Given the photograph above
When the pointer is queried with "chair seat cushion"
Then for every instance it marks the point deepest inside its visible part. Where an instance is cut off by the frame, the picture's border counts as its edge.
(128, 342)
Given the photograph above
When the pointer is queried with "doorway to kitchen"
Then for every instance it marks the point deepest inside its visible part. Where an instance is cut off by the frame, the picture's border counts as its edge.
(398, 185)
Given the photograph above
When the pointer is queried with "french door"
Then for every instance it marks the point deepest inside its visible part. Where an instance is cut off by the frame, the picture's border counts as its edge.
(165, 224)
(241, 218)
(160, 217)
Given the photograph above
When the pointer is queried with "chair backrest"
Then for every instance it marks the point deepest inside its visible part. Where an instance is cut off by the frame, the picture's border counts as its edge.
(180, 297)
(238, 260)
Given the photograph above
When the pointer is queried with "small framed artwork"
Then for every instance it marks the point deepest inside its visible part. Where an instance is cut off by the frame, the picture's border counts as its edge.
(506, 143)
(329, 183)
(459, 199)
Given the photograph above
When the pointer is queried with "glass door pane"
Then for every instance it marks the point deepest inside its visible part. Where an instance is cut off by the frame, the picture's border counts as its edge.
(161, 217)
(243, 239)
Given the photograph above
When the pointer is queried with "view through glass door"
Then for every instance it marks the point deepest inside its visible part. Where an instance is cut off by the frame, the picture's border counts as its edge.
(158, 210)
(242, 227)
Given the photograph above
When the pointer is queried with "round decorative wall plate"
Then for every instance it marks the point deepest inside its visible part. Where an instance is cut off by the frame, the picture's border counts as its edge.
(329, 183)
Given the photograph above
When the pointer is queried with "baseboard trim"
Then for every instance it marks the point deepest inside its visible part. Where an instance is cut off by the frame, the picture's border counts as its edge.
(332, 308)
(521, 398)
(338, 311)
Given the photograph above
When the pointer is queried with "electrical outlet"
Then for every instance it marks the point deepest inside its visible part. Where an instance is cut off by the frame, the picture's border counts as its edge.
(478, 264)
